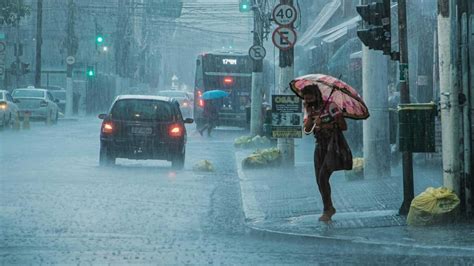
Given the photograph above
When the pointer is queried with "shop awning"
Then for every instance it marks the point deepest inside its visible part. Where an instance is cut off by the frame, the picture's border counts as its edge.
(326, 13)
(338, 31)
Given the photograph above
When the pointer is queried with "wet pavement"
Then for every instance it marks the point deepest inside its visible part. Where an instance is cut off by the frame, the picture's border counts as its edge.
(57, 206)
(286, 201)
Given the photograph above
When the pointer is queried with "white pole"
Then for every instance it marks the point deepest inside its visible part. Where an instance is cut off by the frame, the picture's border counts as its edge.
(256, 121)
(376, 134)
(450, 110)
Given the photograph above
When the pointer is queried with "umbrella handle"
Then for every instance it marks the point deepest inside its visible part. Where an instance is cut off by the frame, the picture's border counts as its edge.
(329, 97)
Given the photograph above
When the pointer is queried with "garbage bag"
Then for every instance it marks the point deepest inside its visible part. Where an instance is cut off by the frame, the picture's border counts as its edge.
(262, 158)
(203, 165)
(433, 206)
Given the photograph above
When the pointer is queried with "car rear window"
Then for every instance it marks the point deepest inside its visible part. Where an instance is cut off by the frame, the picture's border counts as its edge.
(142, 110)
(28, 93)
(173, 94)
(60, 95)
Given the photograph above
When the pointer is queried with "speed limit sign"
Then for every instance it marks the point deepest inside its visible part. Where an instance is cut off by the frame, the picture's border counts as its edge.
(284, 15)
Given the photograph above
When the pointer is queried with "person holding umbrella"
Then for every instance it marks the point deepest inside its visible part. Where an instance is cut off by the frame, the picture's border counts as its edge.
(210, 116)
(327, 101)
(211, 109)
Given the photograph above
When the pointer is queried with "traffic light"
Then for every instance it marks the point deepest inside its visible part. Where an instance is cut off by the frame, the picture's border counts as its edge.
(99, 39)
(90, 71)
(24, 67)
(375, 32)
(245, 5)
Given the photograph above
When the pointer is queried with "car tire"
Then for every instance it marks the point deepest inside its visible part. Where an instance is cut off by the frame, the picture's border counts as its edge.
(105, 157)
(10, 122)
(55, 121)
(178, 161)
(4, 121)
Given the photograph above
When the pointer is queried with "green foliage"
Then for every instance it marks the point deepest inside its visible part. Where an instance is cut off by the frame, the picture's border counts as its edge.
(11, 11)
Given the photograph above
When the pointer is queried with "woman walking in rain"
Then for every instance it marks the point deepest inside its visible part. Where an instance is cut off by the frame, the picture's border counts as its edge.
(210, 115)
(325, 120)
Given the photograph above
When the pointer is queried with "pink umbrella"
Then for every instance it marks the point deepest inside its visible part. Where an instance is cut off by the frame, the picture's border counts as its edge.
(336, 91)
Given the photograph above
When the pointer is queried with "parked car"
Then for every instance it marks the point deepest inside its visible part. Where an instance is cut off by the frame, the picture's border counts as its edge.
(8, 110)
(39, 102)
(60, 94)
(185, 101)
(143, 127)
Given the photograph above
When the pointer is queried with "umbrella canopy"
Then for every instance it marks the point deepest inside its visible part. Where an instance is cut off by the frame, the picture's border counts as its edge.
(214, 94)
(336, 91)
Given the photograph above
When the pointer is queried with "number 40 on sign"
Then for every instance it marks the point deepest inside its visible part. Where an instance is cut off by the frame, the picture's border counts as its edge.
(284, 15)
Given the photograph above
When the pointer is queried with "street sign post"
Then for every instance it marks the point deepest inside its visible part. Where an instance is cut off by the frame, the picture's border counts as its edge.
(284, 38)
(257, 52)
(287, 116)
(284, 15)
(70, 60)
(3, 48)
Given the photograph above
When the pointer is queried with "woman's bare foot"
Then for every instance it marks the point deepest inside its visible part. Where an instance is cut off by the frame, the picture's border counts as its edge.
(327, 215)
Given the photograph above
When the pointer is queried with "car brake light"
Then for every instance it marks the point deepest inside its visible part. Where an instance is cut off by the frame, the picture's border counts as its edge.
(108, 128)
(3, 106)
(176, 131)
(228, 80)
(43, 103)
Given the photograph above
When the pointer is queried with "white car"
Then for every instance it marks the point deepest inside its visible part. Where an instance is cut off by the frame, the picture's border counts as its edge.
(39, 102)
(185, 101)
(8, 110)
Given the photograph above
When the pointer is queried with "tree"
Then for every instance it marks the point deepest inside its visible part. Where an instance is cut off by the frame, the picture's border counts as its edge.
(11, 11)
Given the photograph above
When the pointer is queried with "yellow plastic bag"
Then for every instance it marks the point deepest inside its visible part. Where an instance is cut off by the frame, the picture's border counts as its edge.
(262, 158)
(433, 206)
(203, 165)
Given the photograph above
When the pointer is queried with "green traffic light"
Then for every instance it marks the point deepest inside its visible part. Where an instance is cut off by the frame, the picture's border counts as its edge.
(99, 39)
(244, 5)
(90, 72)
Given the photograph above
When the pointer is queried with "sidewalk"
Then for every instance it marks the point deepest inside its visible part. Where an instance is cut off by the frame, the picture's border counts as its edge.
(286, 201)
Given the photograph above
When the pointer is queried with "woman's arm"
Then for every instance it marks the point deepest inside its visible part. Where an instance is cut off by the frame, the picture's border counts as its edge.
(308, 125)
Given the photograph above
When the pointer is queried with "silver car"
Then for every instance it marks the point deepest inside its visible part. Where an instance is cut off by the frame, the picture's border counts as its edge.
(8, 110)
(185, 101)
(39, 102)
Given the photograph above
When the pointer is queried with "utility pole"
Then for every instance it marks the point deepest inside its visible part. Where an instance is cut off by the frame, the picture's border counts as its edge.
(39, 42)
(256, 121)
(376, 139)
(407, 157)
(463, 31)
(449, 93)
(71, 51)
(17, 48)
(286, 64)
(470, 56)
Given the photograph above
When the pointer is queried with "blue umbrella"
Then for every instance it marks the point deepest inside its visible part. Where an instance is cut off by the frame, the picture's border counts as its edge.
(214, 94)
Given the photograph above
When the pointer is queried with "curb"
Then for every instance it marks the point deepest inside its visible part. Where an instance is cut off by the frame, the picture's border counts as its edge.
(252, 216)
